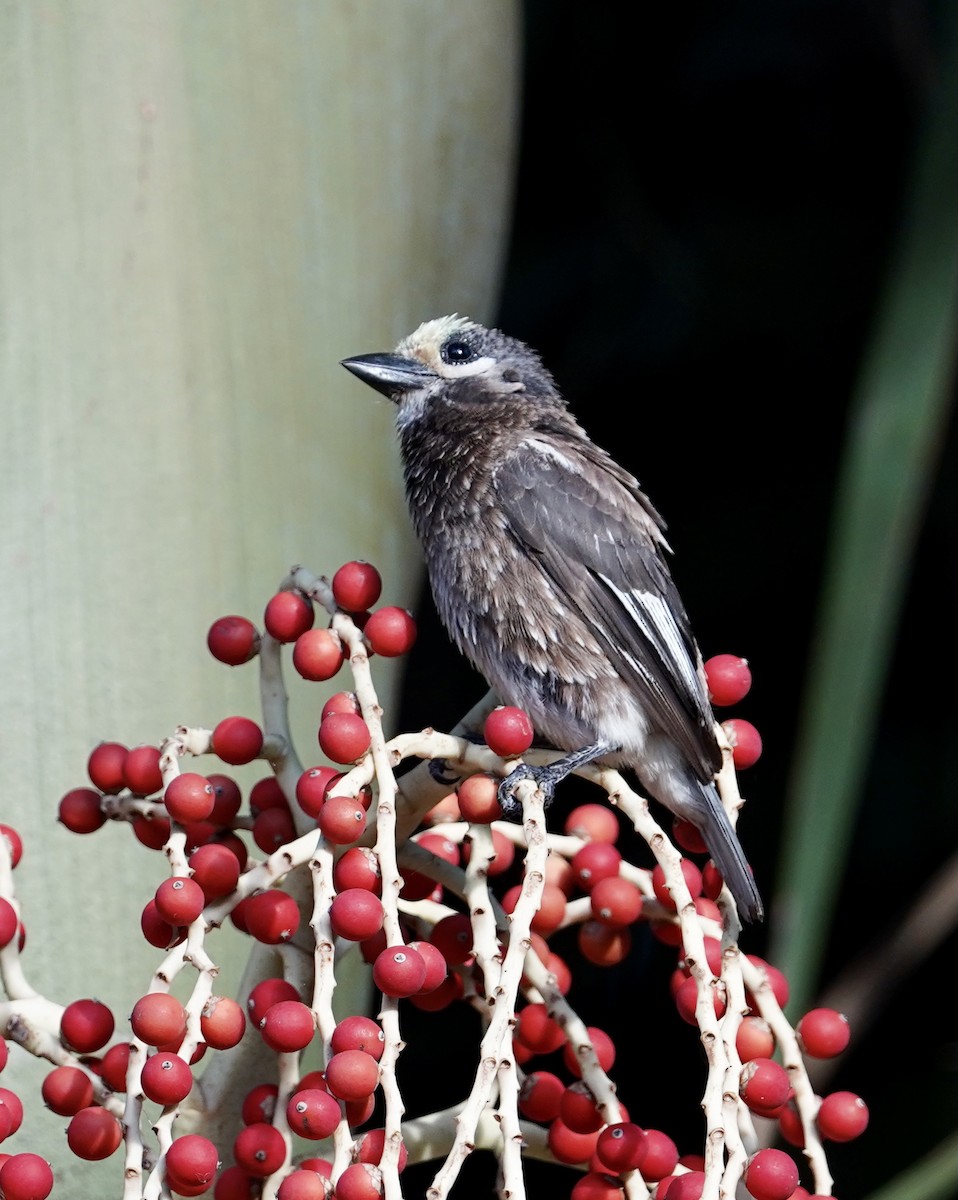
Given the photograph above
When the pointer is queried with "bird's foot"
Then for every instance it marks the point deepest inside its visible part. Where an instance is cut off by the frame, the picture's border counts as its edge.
(545, 778)
(440, 770)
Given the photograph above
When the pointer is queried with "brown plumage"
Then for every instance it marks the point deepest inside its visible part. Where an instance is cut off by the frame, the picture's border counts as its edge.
(548, 568)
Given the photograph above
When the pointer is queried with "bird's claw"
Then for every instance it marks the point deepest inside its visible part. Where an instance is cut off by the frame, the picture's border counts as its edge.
(544, 778)
(439, 770)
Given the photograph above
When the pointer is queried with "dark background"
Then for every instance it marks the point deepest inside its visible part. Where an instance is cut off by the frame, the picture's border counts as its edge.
(707, 200)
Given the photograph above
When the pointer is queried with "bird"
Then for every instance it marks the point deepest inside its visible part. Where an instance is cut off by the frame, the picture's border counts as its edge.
(549, 569)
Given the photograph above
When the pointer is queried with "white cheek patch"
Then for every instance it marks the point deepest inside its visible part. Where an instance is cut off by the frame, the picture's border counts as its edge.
(411, 408)
(461, 370)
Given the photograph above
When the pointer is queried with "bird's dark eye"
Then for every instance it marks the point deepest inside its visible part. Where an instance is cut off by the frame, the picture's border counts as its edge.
(457, 352)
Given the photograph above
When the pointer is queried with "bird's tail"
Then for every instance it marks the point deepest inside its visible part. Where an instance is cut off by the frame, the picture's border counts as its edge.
(727, 854)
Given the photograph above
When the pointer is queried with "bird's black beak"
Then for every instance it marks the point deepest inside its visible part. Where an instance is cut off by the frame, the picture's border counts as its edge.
(388, 373)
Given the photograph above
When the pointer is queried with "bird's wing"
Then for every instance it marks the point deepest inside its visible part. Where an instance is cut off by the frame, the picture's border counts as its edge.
(600, 542)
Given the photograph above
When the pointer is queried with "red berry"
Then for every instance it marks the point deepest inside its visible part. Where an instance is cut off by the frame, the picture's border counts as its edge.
(9, 922)
(478, 799)
(687, 1186)
(66, 1090)
(156, 930)
(259, 1104)
(776, 980)
(661, 1155)
(342, 820)
(216, 869)
(288, 1026)
(235, 1184)
(80, 811)
(823, 1032)
(302, 1184)
(603, 945)
(189, 797)
(191, 1163)
(222, 1022)
(693, 880)
(266, 793)
(577, 1108)
(508, 731)
(271, 917)
(26, 1176)
(272, 828)
(552, 907)
(568, 1146)
(179, 900)
(592, 823)
(452, 937)
(764, 1086)
(94, 1133)
(436, 970)
(686, 998)
(105, 766)
(288, 615)
(390, 632)
(373, 1145)
(259, 1149)
(359, 1033)
(12, 1107)
(621, 1147)
(359, 1181)
(141, 770)
(771, 1175)
(86, 1026)
(356, 914)
(596, 1185)
(113, 1066)
(344, 737)
(227, 799)
(14, 843)
(357, 586)
(602, 1045)
(540, 1095)
(595, 861)
(688, 837)
(166, 1078)
(318, 654)
(399, 971)
(152, 832)
(266, 993)
(754, 1039)
(537, 1031)
(616, 901)
(728, 678)
(745, 740)
(358, 867)
(233, 640)
(313, 1113)
(842, 1117)
(313, 786)
(158, 1019)
(237, 740)
(341, 702)
(352, 1074)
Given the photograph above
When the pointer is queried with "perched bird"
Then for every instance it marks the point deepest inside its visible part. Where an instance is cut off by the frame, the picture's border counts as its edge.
(547, 565)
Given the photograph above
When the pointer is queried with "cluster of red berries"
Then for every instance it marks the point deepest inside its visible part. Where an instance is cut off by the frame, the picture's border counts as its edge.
(432, 966)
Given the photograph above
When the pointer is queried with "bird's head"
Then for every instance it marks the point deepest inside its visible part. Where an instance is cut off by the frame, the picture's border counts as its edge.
(457, 360)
